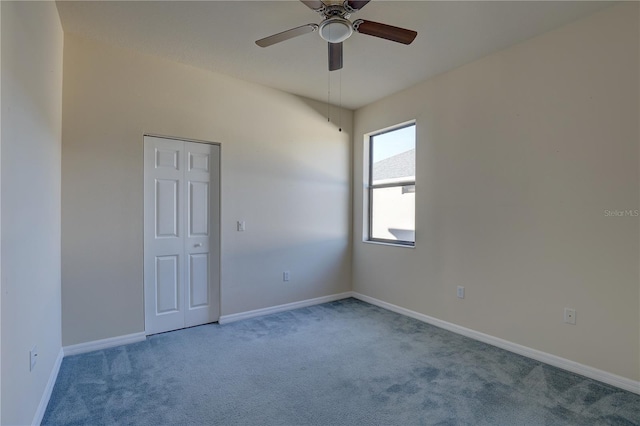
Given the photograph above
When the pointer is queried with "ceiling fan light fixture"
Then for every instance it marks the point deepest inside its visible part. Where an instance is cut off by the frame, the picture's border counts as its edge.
(335, 30)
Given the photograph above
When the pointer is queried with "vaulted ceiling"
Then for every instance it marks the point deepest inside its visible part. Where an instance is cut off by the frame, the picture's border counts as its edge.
(220, 36)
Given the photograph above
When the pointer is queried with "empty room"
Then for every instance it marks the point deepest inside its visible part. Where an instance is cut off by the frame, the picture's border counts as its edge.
(320, 212)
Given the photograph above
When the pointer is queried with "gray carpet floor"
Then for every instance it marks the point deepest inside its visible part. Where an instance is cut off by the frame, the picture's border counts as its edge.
(340, 363)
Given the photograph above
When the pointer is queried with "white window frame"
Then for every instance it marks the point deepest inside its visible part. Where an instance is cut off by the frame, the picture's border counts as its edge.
(370, 187)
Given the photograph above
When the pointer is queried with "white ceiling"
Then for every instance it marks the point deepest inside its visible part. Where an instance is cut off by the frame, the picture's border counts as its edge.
(220, 35)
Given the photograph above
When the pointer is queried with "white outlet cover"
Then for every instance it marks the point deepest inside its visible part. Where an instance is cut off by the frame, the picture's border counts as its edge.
(460, 292)
(569, 316)
(33, 357)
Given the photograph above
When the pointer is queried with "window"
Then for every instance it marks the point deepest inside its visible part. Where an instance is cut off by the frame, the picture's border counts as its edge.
(392, 186)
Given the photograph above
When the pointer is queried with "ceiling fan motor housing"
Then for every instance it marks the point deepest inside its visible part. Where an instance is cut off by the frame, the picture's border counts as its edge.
(335, 29)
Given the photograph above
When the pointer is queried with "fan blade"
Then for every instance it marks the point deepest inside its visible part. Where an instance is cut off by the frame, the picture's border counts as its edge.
(399, 35)
(313, 4)
(286, 35)
(335, 56)
(357, 4)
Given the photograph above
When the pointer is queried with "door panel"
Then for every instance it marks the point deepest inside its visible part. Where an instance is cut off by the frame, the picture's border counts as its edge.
(199, 280)
(167, 157)
(166, 208)
(167, 289)
(202, 240)
(199, 162)
(198, 209)
(163, 230)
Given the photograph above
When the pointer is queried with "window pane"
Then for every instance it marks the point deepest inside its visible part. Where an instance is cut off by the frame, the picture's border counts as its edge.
(393, 213)
(394, 156)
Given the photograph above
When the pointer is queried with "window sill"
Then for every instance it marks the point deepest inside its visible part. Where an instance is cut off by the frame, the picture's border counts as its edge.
(381, 243)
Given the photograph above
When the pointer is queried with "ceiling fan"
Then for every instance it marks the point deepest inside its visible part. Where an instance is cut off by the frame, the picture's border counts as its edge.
(336, 27)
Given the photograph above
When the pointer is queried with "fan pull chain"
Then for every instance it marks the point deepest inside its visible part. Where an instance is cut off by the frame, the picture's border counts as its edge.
(340, 101)
(329, 97)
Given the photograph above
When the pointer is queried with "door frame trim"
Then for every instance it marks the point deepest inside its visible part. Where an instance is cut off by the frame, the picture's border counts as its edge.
(177, 138)
(219, 273)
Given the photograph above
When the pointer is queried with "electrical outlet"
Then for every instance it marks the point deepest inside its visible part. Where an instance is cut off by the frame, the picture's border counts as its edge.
(460, 292)
(33, 357)
(241, 226)
(569, 316)
(286, 276)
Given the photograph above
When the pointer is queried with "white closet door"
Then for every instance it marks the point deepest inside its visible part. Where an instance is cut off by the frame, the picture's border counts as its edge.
(181, 234)
(201, 256)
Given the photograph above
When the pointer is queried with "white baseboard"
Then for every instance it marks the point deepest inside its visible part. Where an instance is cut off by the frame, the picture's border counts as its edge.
(556, 361)
(46, 395)
(97, 345)
(226, 319)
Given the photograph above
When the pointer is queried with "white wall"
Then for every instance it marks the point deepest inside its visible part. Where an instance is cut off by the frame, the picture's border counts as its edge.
(32, 43)
(0, 220)
(519, 154)
(285, 171)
